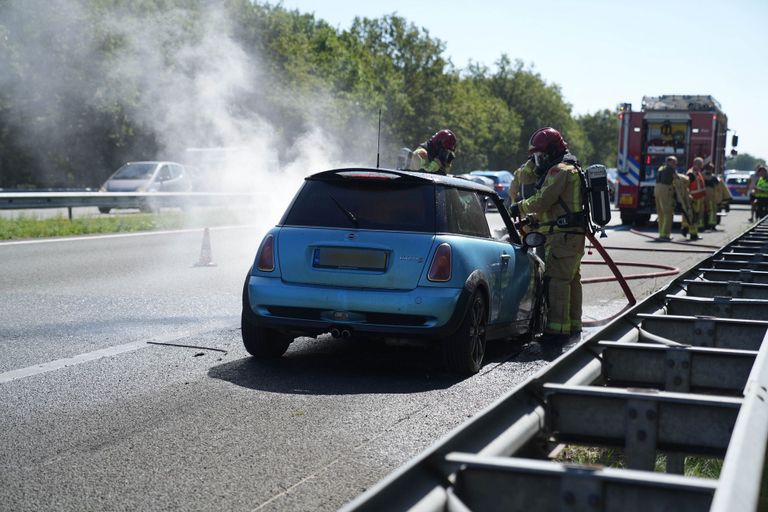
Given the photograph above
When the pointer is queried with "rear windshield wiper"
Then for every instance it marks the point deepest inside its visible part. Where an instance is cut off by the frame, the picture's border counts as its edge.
(348, 213)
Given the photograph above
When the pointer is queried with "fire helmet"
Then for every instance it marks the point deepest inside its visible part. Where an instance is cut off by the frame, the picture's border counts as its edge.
(444, 139)
(548, 141)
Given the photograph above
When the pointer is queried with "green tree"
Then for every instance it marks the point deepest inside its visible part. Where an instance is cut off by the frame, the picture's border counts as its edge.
(743, 161)
(601, 130)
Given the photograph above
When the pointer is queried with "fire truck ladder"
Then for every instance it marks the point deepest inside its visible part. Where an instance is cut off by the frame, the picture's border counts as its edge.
(683, 373)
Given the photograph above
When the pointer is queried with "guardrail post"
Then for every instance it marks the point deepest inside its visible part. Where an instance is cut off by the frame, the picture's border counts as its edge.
(641, 432)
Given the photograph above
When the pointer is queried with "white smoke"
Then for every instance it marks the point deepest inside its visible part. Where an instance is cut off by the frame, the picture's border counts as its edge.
(181, 74)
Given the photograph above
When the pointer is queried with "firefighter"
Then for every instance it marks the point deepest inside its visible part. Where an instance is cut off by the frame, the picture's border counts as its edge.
(760, 170)
(558, 197)
(697, 194)
(523, 182)
(761, 193)
(664, 193)
(710, 204)
(436, 154)
(723, 196)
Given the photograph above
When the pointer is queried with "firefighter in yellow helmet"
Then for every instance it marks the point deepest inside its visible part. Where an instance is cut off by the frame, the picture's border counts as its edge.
(436, 154)
(664, 193)
(559, 204)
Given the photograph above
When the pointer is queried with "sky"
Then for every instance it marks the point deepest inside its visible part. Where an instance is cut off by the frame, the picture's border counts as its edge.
(604, 52)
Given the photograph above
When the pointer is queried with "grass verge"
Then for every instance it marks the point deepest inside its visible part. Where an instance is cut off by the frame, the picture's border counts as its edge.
(30, 227)
(701, 467)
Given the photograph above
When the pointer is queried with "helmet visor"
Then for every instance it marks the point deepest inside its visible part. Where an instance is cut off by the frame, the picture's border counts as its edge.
(540, 159)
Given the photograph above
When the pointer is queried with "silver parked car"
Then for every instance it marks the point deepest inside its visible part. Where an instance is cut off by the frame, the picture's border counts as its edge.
(151, 176)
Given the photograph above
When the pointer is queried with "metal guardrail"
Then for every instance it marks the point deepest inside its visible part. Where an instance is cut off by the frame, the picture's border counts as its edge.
(141, 200)
(684, 372)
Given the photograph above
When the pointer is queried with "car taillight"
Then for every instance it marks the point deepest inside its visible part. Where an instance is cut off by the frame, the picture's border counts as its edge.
(498, 186)
(440, 269)
(266, 259)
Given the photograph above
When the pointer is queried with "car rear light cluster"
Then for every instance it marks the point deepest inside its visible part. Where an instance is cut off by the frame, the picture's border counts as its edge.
(266, 258)
(440, 269)
(498, 186)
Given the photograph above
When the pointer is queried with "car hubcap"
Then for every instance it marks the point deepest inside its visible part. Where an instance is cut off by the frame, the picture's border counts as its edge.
(477, 331)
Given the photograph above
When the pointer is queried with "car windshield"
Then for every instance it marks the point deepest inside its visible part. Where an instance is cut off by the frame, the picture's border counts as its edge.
(364, 204)
(136, 171)
(738, 180)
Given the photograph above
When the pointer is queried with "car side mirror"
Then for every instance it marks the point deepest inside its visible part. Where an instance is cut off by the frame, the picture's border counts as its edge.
(533, 239)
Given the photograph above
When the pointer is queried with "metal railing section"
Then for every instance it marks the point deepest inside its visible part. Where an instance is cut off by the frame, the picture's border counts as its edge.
(683, 373)
(144, 200)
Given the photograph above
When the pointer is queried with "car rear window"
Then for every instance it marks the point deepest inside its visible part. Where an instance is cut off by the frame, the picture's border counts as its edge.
(364, 204)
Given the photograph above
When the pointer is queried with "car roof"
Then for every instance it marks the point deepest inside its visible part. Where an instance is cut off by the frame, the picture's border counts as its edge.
(408, 176)
(490, 173)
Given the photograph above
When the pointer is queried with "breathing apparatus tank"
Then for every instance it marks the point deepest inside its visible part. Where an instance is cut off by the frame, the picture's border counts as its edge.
(598, 199)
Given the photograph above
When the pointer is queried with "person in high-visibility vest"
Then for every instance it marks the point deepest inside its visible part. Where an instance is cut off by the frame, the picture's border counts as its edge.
(558, 199)
(664, 194)
(710, 204)
(697, 192)
(436, 154)
(761, 193)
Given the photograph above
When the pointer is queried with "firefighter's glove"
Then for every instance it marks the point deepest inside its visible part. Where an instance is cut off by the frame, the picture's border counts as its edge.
(514, 210)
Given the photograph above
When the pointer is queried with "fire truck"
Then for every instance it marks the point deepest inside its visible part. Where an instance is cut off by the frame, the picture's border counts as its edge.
(681, 125)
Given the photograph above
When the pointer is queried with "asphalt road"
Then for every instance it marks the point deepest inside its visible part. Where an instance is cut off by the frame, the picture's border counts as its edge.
(124, 384)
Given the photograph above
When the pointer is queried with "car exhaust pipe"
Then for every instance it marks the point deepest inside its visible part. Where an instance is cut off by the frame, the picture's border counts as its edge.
(335, 332)
(346, 333)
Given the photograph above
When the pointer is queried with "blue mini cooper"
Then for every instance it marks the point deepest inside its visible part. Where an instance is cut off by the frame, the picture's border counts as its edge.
(393, 254)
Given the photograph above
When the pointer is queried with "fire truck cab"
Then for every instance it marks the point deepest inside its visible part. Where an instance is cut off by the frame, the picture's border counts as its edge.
(681, 125)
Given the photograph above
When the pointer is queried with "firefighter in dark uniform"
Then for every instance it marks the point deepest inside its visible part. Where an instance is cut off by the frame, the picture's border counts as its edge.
(664, 193)
(710, 203)
(558, 203)
(436, 154)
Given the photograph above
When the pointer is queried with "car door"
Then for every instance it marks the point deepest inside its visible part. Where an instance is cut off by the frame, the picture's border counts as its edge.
(478, 250)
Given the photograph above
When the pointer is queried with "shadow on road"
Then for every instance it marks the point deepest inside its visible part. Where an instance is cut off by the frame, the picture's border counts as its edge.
(338, 367)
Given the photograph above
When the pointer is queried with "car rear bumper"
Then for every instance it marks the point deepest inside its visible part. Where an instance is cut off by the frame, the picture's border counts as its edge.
(422, 312)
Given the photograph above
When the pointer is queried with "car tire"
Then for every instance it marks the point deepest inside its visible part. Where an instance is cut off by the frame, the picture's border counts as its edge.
(464, 350)
(104, 209)
(260, 341)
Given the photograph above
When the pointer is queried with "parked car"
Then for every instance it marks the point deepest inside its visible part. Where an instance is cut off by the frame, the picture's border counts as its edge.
(395, 254)
(502, 180)
(482, 180)
(151, 176)
(738, 185)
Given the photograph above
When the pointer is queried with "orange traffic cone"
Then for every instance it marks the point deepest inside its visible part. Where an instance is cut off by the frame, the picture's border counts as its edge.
(205, 251)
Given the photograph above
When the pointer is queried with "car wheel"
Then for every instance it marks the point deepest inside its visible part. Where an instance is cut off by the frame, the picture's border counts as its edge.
(261, 341)
(104, 209)
(465, 349)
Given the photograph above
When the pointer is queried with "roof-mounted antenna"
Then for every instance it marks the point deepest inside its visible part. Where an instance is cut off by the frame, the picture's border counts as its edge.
(378, 141)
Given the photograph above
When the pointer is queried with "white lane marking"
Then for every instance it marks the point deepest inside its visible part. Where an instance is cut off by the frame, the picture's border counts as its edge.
(122, 235)
(58, 364)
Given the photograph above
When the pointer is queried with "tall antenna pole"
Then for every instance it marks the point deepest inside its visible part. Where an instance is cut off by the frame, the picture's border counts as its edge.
(378, 141)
